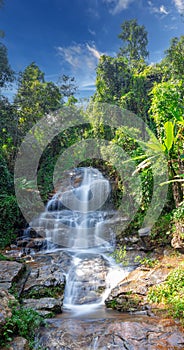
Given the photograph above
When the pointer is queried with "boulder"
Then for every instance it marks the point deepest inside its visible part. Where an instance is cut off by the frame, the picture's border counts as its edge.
(130, 294)
(44, 306)
(44, 281)
(11, 272)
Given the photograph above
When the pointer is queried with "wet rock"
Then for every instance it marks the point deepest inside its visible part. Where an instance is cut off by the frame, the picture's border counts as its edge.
(44, 306)
(5, 310)
(44, 281)
(130, 294)
(130, 333)
(37, 244)
(31, 233)
(55, 205)
(23, 242)
(64, 261)
(18, 343)
(15, 253)
(87, 279)
(11, 271)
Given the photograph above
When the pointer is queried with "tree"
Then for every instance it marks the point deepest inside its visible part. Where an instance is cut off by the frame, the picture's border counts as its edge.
(135, 41)
(67, 87)
(167, 112)
(138, 99)
(174, 61)
(113, 79)
(35, 97)
(6, 73)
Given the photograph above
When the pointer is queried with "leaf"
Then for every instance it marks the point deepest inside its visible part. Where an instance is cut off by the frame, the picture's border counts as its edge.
(153, 145)
(169, 134)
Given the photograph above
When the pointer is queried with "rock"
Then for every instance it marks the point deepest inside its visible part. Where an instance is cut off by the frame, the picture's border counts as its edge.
(16, 254)
(31, 233)
(5, 310)
(55, 205)
(22, 242)
(44, 306)
(64, 261)
(18, 343)
(11, 271)
(130, 294)
(132, 333)
(44, 281)
(37, 243)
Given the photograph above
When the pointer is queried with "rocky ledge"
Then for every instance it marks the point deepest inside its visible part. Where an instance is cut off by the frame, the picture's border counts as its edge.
(127, 333)
(130, 295)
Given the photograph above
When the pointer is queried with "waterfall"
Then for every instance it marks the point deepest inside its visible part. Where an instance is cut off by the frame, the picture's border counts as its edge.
(76, 220)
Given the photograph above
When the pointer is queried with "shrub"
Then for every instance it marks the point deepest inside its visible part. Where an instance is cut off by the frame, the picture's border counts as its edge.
(171, 293)
(10, 218)
(23, 322)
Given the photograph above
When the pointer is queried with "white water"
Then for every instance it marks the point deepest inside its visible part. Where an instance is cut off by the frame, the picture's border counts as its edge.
(76, 219)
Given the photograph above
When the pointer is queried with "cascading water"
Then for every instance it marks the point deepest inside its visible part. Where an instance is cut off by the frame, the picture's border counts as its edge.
(76, 219)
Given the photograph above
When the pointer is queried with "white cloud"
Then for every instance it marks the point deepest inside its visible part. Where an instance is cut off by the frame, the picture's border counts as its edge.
(159, 10)
(179, 5)
(94, 51)
(80, 61)
(92, 32)
(117, 6)
(163, 10)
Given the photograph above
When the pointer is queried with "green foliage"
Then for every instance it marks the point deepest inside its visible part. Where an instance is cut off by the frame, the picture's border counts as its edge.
(178, 214)
(135, 40)
(10, 219)
(120, 255)
(169, 135)
(35, 97)
(112, 304)
(23, 322)
(6, 183)
(6, 73)
(4, 258)
(67, 87)
(146, 261)
(167, 112)
(113, 79)
(45, 292)
(174, 60)
(8, 131)
(171, 293)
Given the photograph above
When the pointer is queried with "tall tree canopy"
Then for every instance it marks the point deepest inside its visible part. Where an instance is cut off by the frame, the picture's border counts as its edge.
(35, 97)
(135, 41)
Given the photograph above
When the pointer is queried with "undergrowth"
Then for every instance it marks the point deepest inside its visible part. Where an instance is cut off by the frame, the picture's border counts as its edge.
(24, 322)
(171, 293)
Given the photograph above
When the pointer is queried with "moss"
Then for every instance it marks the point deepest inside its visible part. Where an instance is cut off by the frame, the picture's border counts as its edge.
(125, 303)
(44, 292)
(111, 304)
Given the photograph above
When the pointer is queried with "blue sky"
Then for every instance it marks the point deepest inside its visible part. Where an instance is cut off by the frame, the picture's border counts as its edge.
(68, 37)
